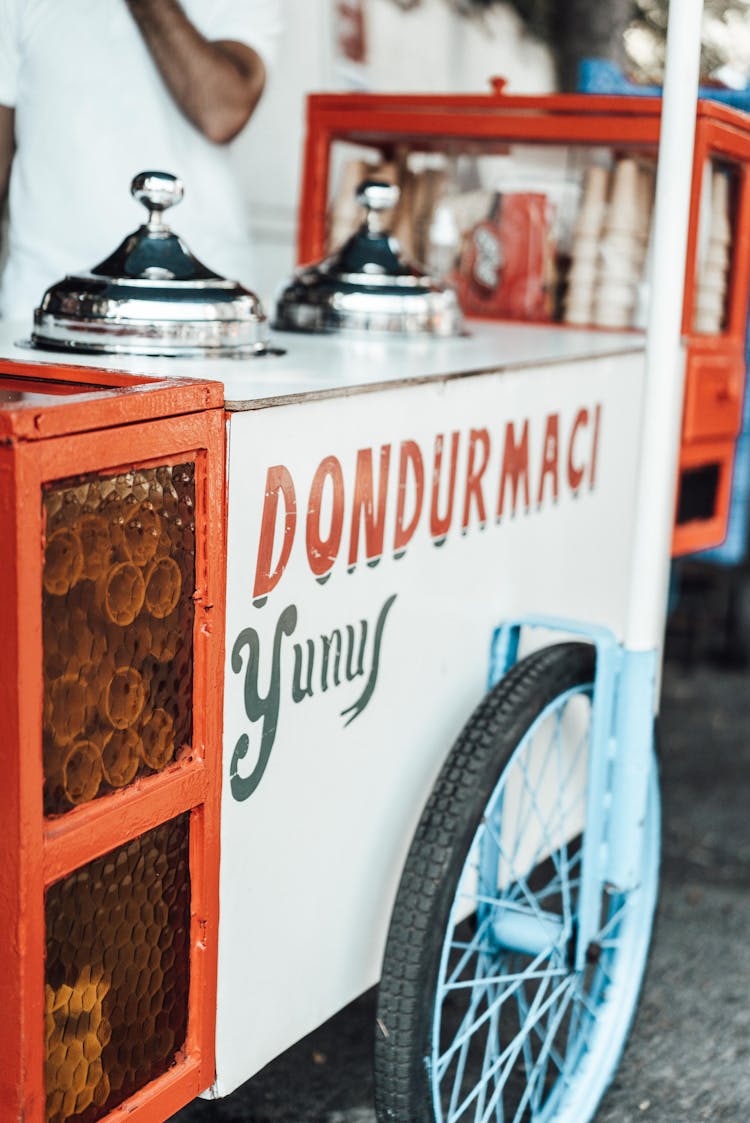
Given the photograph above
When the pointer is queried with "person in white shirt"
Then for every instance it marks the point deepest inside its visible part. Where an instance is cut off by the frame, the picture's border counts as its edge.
(93, 92)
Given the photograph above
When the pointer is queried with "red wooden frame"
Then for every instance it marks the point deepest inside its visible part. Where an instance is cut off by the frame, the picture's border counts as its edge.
(34, 851)
(481, 122)
(114, 398)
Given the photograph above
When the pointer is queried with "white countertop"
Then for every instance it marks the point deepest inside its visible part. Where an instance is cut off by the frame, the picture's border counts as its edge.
(316, 366)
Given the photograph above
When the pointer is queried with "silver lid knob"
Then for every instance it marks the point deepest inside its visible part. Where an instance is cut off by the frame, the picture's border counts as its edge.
(377, 196)
(156, 191)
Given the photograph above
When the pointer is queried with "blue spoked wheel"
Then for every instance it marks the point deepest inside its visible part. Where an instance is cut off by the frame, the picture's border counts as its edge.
(482, 1015)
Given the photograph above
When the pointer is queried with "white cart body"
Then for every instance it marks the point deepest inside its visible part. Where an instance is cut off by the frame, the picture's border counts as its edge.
(362, 676)
(312, 858)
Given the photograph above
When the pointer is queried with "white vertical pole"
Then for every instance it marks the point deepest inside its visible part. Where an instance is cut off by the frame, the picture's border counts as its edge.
(665, 353)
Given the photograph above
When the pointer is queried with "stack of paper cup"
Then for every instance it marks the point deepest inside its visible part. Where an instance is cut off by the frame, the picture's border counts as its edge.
(710, 292)
(622, 248)
(579, 301)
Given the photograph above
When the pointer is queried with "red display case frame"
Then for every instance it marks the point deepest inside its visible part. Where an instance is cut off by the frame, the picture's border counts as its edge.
(107, 423)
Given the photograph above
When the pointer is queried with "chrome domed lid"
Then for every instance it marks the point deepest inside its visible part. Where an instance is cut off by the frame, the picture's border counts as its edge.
(151, 296)
(368, 284)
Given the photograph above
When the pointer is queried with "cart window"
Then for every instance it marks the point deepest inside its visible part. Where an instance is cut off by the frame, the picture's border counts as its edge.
(524, 231)
(116, 973)
(118, 579)
(698, 492)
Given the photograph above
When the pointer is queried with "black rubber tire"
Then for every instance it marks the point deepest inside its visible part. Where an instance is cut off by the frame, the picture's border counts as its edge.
(434, 864)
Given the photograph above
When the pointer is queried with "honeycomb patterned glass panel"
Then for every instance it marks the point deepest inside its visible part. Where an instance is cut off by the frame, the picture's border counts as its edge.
(117, 606)
(117, 974)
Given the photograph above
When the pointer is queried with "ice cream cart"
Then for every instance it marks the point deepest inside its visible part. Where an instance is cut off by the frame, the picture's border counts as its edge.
(358, 546)
(251, 609)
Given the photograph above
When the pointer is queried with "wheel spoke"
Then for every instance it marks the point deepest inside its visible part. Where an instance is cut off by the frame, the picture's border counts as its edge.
(519, 832)
(614, 920)
(585, 1002)
(462, 1038)
(573, 1031)
(491, 1047)
(468, 1028)
(547, 839)
(462, 1055)
(471, 949)
(537, 1075)
(523, 1010)
(525, 890)
(565, 886)
(517, 883)
(506, 1060)
(497, 980)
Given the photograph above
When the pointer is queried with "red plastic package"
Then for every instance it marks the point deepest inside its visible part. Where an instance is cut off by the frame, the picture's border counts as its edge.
(506, 264)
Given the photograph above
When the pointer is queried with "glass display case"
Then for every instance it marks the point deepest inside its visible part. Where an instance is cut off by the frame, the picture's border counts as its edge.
(539, 209)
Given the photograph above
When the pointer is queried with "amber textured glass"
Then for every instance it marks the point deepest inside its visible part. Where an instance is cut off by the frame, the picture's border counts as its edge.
(116, 974)
(117, 605)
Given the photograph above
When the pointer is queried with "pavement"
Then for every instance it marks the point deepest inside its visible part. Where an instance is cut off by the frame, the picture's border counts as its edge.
(688, 1056)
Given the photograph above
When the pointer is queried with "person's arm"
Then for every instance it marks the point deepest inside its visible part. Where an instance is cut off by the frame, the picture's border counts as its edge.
(217, 85)
(7, 148)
